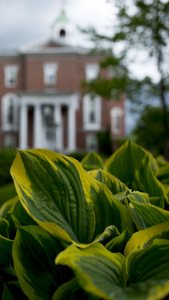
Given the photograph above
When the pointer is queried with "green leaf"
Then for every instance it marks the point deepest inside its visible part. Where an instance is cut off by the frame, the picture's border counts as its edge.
(20, 216)
(148, 214)
(34, 251)
(67, 290)
(97, 270)
(138, 197)
(5, 212)
(5, 208)
(103, 273)
(143, 238)
(163, 172)
(118, 243)
(137, 169)
(110, 232)
(148, 290)
(4, 227)
(150, 263)
(63, 198)
(71, 290)
(112, 182)
(92, 161)
(5, 250)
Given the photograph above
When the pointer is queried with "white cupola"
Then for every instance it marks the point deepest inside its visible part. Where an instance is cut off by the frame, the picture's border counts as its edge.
(62, 28)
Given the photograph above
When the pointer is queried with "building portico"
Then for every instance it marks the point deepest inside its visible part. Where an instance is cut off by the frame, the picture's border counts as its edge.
(48, 124)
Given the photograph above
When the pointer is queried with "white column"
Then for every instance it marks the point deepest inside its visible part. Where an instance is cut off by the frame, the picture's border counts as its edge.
(59, 128)
(71, 128)
(23, 127)
(38, 134)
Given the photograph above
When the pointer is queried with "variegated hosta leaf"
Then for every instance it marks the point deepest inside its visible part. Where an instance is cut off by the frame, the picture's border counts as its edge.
(137, 169)
(34, 251)
(103, 273)
(98, 271)
(92, 161)
(146, 215)
(64, 199)
(112, 182)
(150, 263)
(144, 238)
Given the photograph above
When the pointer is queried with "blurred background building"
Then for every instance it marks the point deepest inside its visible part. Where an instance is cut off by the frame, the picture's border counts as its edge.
(42, 100)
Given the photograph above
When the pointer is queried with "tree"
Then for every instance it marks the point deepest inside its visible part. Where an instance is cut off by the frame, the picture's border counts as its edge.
(150, 132)
(141, 25)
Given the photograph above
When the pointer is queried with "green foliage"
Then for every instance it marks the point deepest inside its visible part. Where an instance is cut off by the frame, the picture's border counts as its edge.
(150, 132)
(99, 233)
(92, 161)
(6, 158)
(7, 192)
(139, 26)
(105, 142)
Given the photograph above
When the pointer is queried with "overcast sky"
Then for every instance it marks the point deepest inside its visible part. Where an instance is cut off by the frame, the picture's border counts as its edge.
(26, 21)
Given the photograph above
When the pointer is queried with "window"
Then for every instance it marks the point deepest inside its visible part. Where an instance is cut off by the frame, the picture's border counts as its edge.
(92, 112)
(92, 71)
(116, 118)
(91, 142)
(11, 76)
(50, 73)
(9, 113)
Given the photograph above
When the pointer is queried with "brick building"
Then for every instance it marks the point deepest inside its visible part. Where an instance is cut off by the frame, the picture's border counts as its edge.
(42, 104)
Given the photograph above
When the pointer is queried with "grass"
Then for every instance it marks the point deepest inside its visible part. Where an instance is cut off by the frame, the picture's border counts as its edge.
(7, 192)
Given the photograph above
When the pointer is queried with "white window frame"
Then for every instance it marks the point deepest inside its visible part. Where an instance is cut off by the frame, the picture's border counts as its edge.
(116, 120)
(87, 123)
(11, 76)
(50, 74)
(91, 71)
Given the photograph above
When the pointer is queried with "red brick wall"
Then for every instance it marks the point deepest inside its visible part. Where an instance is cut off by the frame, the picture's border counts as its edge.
(71, 73)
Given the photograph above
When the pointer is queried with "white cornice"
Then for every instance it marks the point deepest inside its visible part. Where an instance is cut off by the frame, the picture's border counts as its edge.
(56, 50)
(9, 52)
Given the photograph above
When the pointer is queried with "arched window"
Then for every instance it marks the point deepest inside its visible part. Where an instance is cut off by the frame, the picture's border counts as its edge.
(9, 112)
(62, 33)
(92, 112)
(116, 120)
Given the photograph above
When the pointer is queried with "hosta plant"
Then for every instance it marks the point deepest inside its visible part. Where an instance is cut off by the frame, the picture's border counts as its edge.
(89, 230)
